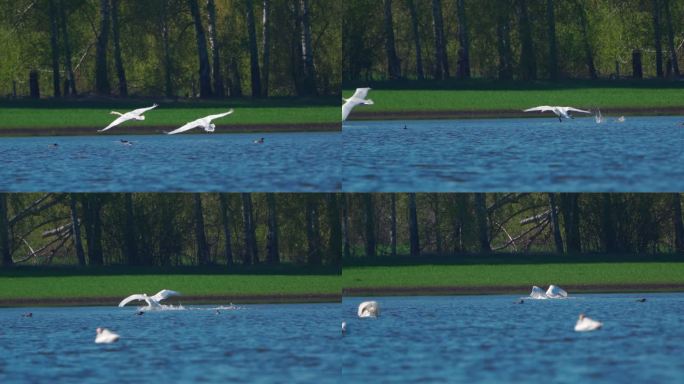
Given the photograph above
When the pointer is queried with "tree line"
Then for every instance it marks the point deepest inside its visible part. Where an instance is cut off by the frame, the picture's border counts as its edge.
(167, 229)
(410, 224)
(511, 39)
(175, 48)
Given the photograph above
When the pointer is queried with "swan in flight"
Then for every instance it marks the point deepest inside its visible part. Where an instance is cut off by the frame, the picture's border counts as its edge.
(561, 112)
(204, 122)
(105, 336)
(369, 309)
(136, 114)
(152, 301)
(359, 97)
(585, 324)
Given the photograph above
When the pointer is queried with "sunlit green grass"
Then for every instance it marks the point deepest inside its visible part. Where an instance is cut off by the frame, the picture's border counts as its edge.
(454, 100)
(514, 274)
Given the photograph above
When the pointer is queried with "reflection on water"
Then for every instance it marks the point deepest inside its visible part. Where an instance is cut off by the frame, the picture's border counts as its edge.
(493, 339)
(250, 343)
(641, 154)
(295, 162)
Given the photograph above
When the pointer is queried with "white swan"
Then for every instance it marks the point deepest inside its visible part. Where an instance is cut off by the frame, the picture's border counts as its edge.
(621, 119)
(344, 327)
(369, 309)
(152, 301)
(537, 293)
(358, 98)
(105, 336)
(556, 292)
(561, 112)
(204, 122)
(136, 114)
(599, 117)
(585, 324)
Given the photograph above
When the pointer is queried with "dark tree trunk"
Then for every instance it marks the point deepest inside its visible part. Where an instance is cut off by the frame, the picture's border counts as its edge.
(34, 87)
(438, 229)
(346, 247)
(164, 24)
(102, 86)
(503, 32)
(273, 256)
(54, 46)
(671, 39)
(130, 244)
(225, 226)
(441, 67)
(463, 66)
(204, 68)
(588, 52)
(553, 48)
(570, 212)
(70, 88)
(608, 235)
(235, 79)
(482, 222)
(5, 245)
(369, 222)
(555, 224)
(414, 238)
(658, 40)
(307, 51)
(335, 228)
(312, 230)
(393, 224)
(118, 62)
(528, 61)
(416, 38)
(266, 47)
(637, 70)
(214, 46)
(253, 50)
(677, 221)
(250, 254)
(92, 205)
(393, 65)
(76, 231)
(200, 236)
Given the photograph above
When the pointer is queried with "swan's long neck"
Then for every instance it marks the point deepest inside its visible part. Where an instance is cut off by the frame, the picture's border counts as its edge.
(116, 113)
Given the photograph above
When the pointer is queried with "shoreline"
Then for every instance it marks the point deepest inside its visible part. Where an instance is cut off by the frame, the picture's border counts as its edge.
(502, 114)
(505, 289)
(197, 299)
(150, 130)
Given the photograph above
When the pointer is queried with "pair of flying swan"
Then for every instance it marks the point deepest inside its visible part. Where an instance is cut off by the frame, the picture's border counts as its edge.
(137, 114)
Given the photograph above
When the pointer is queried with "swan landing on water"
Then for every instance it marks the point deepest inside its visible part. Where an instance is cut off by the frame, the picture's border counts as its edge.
(561, 112)
(358, 98)
(585, 324)
(369, 309)
(554, 292)
(105, 336)
(152, 301)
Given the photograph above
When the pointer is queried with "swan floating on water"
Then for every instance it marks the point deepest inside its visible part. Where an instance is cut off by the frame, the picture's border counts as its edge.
(358, 98)
(621, 119)
(561, 112)
(152, 301)
(136, 114)
(554, 292)
(369, 309)
(105, 336)
(585, 324)
(344, 327)
(204, 122)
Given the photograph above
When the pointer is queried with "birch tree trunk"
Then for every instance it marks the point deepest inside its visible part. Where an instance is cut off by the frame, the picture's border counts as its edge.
(214, 46)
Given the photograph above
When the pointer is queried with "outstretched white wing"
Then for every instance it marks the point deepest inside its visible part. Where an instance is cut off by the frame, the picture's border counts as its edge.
(186, 127)
(130, 298)
(361, 93)
(541, 108)
(164, 294)
(347, 107)
(575, 110)
(119, 120)
(213, 117)
(140, 111)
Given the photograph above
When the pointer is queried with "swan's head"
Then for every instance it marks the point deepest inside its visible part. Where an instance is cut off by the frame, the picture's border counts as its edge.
(98, 330)
(581, 316)
(140, 118)
(368, 102)
(210, 128)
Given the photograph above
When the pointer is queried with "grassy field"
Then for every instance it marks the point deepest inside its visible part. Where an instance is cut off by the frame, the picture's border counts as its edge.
(64, 285)
(501, 275)
(38, 114)
(622, 98)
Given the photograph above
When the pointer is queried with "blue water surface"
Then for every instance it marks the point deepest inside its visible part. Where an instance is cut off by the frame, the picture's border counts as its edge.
(491, 339)
(286, 162)
(641, 154)
(255, 344)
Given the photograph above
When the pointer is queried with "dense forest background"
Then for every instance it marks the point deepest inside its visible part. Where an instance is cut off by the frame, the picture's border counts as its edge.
(511, 39)
(167, 229)
(456, 224)
(174, 48)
